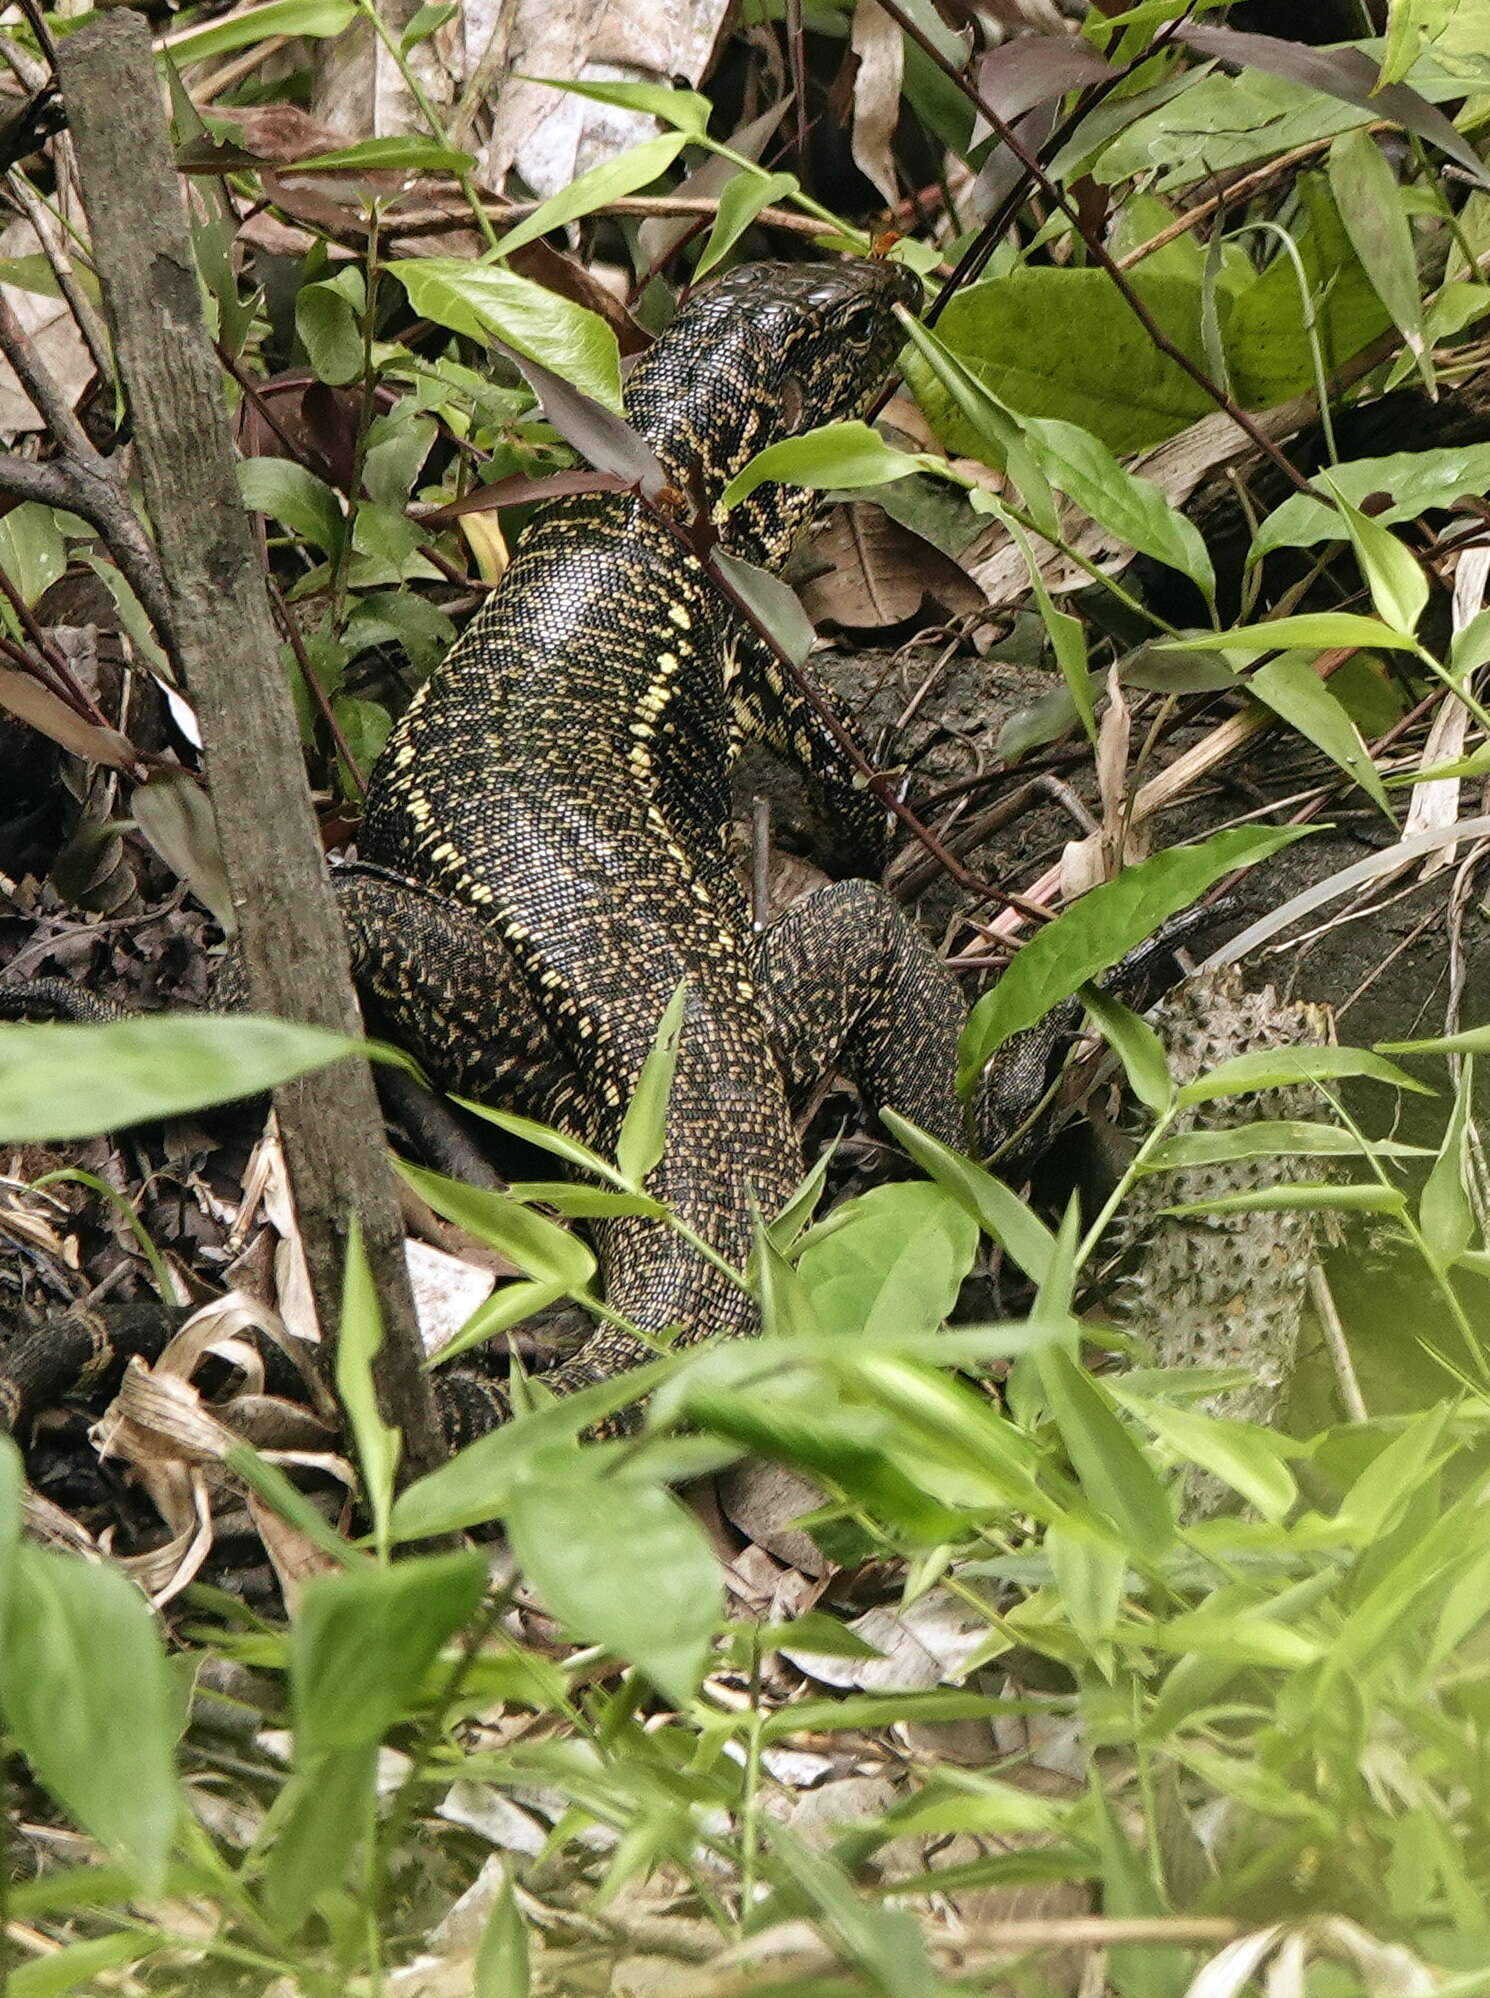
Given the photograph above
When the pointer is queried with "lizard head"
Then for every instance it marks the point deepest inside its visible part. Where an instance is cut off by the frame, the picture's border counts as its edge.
(768, 352)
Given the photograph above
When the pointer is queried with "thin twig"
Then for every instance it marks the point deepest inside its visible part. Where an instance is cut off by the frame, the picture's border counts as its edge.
(89, 324)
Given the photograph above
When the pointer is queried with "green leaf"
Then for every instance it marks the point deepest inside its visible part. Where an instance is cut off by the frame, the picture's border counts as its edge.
(359, 1340)
(1284, 1068)
(935, 371)
(1114, 1472)
(894, 1258)
(685, 110)
(1415, 482)
(885, 1943)
(1065, 344)
(317, 18)
(1292, 689)
(1370, 204)
(328, 319)
(1301, 1196)
(86, 1694)
(477, 1484)
(1289, 1138)
(411, 151)
(1248, 1458)
(773, 603)
(1399, 589)
(429, 20)
(80, 1963)
(612, 180)
(743, 198)
(643, 1132)
(481, 299)
(1136, 1046)
(12, 1486)
(836, 454)
(502, 1955)
(540, 1248)
(1097, 931)
(1132, 507)
(620, 1563)
(295, 497)
(1315, 631)
(1090, 1576)
(1446, 1218)
(997, 1209)
(76, 1081)
(362, 1642)
(323, 1815)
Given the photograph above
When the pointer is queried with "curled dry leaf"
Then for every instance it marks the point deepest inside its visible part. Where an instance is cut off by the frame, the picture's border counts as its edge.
(876, 40)
(882, 573)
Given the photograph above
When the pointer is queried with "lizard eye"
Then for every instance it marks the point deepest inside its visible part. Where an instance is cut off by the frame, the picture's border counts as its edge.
(861, 326)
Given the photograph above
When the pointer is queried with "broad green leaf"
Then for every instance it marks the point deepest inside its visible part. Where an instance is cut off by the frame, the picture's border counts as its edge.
(477, 1484)
(894, 1258)
(87, 1697)
(1399, 589)
(362, 1642)
(1292, 689)
(508, 1305)
(328, 319)
(1414, 481)
(540, 1248)
(1114, 1473)
(742, 199)
(996, 1208)
(258, 24)
(69, 1081)
(324, 1814)
(1136, 1046)
(1410, 25)
(685, 110)
(295, 497)
(359, 1340)
(772, 603)
(643, 1132)
(1446, 1218)
(1132, 507)
(427, 21)
(1248, 1458)
(501, 1969)
(1246, 1639)
(837, 454)
(1371, 208)
(1316, 631)
(482, 299)
(1064, 344)
(612, 180)
(620, 1563)
(1283, 1068)
(1096, 932)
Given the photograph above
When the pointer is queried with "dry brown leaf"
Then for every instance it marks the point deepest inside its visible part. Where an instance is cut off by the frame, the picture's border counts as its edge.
(881, 572)
(877, 41)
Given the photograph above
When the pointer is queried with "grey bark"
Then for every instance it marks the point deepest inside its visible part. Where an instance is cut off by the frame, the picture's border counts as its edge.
(294, 951)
